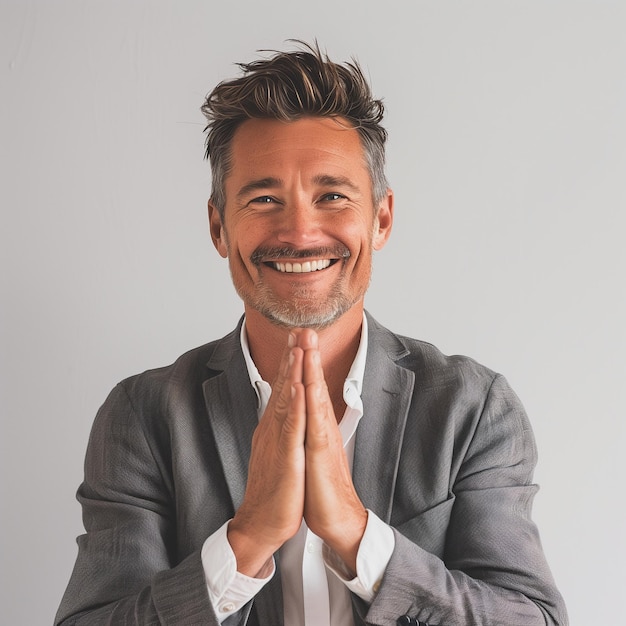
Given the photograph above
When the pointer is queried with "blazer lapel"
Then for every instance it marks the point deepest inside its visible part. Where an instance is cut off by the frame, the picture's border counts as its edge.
(387, 392)
(231, 405)
(232, 410)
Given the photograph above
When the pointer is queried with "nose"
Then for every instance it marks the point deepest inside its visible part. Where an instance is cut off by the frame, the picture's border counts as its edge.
(299, 224)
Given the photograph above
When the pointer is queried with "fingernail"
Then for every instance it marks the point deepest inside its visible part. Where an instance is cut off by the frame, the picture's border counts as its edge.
(291, 357)
(291, 340)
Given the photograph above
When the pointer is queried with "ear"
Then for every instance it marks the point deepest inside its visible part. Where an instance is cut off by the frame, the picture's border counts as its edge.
(218, 234)
(384, 221)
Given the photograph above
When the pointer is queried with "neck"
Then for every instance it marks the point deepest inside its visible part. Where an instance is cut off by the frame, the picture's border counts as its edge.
(338, 344)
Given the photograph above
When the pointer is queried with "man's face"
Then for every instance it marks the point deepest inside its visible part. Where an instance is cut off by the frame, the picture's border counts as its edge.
(299, 223)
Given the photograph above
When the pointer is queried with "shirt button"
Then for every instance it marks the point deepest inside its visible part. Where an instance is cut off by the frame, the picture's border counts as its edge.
(310, 547)
(376, 586)
(229, 606)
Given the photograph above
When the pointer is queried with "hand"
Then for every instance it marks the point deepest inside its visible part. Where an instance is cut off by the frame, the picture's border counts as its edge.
(273, 504)
(332, 508)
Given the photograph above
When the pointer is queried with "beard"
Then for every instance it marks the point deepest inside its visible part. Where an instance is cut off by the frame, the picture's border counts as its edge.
(305, 308)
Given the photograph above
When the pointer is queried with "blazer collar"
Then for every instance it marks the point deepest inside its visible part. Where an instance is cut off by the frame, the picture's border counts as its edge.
(231, 406)
(387, 393)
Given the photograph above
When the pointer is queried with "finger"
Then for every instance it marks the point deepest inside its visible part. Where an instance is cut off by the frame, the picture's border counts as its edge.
(294, 426)
(283, 369)
(312, 368)
(307, 338)
(318, 406)
(283, 393)
(322, 433)
(296, 367)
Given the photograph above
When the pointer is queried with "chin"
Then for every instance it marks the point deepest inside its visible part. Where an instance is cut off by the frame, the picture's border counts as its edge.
(305, 314)
(304, 310)
(302, 319)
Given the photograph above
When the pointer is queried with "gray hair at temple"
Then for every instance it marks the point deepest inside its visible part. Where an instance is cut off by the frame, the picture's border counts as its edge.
(289, 86)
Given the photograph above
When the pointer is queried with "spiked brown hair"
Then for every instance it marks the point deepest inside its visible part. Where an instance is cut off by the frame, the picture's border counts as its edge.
(289, 86)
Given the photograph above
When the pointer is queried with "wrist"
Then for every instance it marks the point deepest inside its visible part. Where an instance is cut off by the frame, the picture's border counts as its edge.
(253, 556)
(345, 540)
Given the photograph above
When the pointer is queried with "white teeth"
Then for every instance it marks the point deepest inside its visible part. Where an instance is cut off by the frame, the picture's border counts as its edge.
(302, 268)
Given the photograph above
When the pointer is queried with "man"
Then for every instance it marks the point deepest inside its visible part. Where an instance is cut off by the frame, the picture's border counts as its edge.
(375, 481)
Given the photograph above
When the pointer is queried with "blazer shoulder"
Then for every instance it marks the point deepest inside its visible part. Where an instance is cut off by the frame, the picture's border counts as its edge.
(196, 364)
(425, 360)
(178, 387)
(430, 357)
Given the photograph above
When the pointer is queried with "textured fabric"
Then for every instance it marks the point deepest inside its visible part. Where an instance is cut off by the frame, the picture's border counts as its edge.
(445, 457)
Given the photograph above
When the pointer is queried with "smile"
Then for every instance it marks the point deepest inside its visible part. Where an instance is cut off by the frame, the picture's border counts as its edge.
(301, 268)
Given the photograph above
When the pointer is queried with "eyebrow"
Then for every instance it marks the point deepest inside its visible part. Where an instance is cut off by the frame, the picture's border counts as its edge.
(261, 183)
(335, 181)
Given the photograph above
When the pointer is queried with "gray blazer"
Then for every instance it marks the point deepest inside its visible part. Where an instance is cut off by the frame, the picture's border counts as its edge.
(444, 454)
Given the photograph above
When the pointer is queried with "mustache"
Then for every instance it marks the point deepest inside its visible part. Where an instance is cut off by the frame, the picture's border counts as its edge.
(263, 254)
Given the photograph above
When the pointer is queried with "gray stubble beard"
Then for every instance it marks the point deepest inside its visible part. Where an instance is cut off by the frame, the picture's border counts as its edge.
(304, 311)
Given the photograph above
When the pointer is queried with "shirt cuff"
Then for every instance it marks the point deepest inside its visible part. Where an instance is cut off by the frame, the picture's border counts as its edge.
(229, 590)
(372, 558)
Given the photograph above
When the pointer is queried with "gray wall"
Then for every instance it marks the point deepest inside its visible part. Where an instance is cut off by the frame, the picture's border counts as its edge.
(507, 154)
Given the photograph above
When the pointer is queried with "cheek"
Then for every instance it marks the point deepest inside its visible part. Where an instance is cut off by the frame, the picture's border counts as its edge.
(238, 242)
(358, 236)
(246, 238)
(353, 230)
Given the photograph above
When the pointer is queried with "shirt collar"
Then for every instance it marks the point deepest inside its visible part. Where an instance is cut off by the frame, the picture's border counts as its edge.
(354, 381)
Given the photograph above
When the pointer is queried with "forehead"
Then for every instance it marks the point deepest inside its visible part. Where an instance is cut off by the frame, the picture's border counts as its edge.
(312, 143)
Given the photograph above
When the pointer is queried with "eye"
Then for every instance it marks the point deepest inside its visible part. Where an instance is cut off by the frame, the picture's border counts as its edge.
(332, 197)
(264, 201)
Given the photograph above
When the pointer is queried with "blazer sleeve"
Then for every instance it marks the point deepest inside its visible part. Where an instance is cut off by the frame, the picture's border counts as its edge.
(492, 570)
(126, 571)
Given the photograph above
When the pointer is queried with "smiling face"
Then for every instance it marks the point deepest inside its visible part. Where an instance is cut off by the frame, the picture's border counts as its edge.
(300, 224)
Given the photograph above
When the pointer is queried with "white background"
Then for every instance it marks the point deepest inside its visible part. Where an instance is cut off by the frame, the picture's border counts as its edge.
(507, 155)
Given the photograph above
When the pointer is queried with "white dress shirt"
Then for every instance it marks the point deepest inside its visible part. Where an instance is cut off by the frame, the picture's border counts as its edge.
(315, 581)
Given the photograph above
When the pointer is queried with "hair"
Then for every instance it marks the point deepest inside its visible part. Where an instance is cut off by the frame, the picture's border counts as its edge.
(289, 86)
